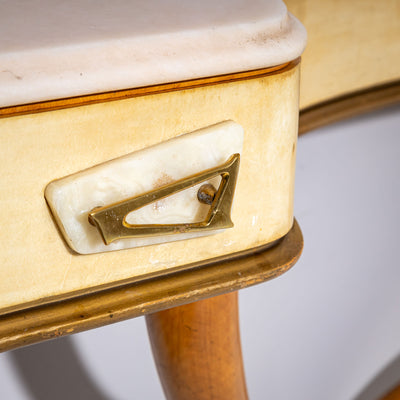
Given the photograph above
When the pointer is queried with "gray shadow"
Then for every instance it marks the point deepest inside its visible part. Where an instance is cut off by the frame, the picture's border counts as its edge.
(53, 370)
(387, 379)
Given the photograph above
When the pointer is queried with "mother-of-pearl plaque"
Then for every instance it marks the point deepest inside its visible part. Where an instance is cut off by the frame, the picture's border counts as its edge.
(72, 198)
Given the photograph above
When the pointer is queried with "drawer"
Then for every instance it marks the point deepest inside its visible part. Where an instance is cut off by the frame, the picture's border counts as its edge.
(42, 147)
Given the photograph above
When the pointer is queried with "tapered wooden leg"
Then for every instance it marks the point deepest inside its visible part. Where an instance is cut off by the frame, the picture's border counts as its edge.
(197, 350)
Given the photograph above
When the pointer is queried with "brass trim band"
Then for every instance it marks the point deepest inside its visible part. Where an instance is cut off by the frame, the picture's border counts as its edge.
(151, 294)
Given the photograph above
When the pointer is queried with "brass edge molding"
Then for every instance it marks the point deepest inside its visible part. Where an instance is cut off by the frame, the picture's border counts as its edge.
(150, 295)
(82, 293)
(78, 101)
(349, 105)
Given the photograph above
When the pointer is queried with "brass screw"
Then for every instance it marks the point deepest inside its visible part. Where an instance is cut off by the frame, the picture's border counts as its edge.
(206, 194)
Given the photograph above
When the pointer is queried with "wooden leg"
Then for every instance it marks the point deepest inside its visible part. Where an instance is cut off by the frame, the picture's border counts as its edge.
(393, 395)
(197, 350)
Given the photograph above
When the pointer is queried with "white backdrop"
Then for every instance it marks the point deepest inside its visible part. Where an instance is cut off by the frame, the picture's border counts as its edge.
(329, 329)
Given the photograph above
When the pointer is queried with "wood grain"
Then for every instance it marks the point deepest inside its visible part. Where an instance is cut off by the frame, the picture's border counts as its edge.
(197, 350)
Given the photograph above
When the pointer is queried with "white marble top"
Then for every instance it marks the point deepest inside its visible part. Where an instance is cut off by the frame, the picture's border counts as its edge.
(57, 48)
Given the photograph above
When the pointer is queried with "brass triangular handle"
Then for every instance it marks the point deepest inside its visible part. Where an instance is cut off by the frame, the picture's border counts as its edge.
(111, 221)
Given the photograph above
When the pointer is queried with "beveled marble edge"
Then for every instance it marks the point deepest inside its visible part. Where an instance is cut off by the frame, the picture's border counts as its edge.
(51, 73)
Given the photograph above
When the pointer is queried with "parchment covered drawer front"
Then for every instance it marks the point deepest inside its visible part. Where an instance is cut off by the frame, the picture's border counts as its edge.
(256, 119)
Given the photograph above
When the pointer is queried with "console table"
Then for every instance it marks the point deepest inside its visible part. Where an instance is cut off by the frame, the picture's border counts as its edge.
(87, 92)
